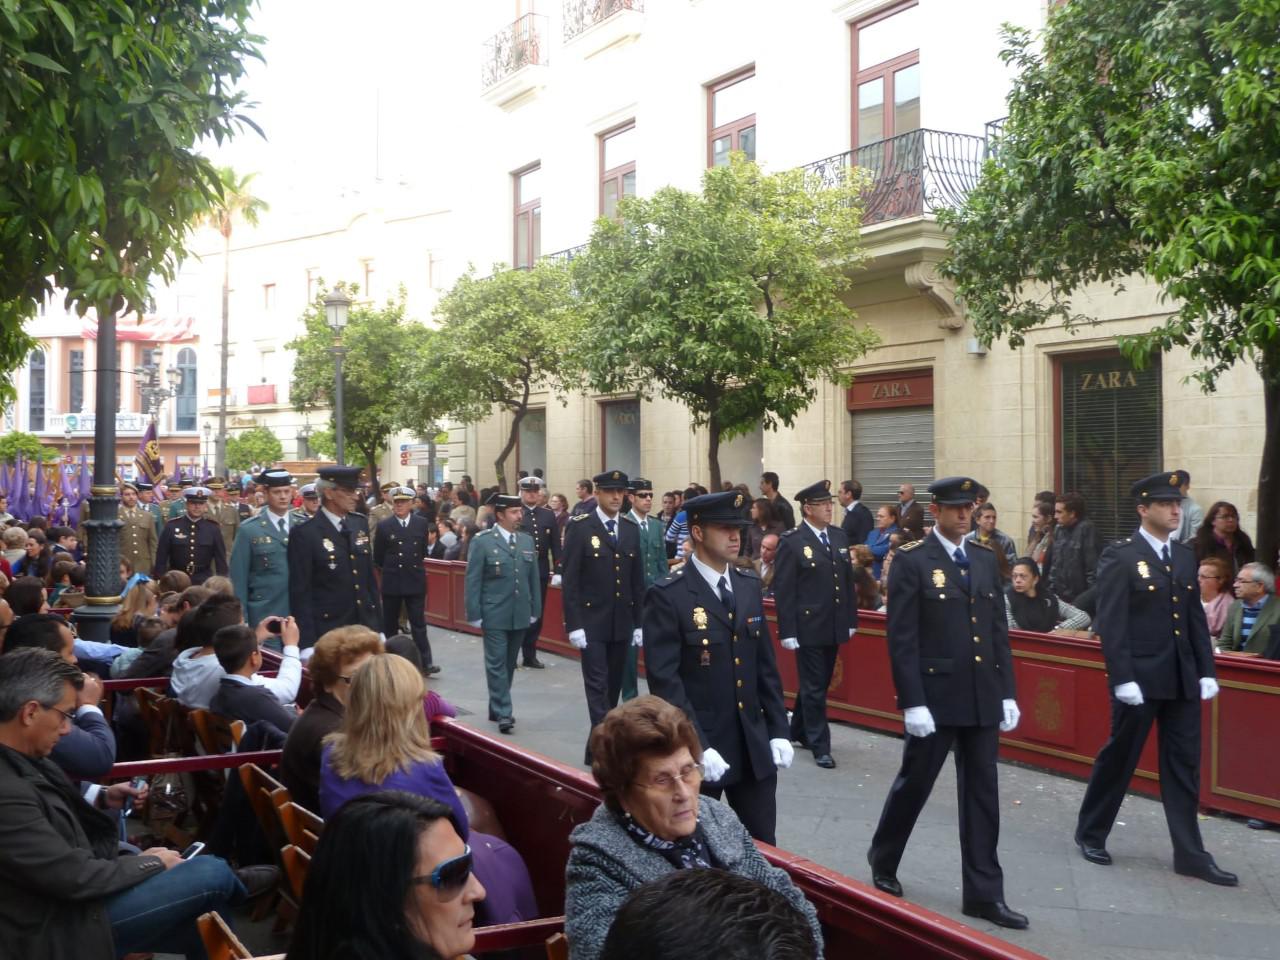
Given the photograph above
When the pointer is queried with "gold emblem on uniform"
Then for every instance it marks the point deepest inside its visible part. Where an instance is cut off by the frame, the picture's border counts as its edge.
(327, 544)
(939, 578)
(1143, 570)
(808, 552)
(595, 543)
(700, 618)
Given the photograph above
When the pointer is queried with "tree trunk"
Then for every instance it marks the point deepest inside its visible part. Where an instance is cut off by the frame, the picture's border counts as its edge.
(498, 464)
(1268, 531)
(713, 452)
(371, 461)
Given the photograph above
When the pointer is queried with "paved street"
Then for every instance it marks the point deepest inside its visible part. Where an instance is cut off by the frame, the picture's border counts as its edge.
(1136, 909)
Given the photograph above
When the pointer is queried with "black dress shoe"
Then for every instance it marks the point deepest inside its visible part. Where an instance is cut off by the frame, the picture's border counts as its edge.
(1210, 873)
(826, 761)
(1097, 855)
(258, 880)
(535, 664)
(431, 669)
(997, 912)
(506, 724)
(1253, 823)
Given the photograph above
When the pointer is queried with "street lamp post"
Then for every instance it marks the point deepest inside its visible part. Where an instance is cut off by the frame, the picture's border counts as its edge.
(208, 430)
(336, 305)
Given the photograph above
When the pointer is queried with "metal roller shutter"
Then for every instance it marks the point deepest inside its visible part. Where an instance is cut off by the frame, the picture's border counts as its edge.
(891, 447)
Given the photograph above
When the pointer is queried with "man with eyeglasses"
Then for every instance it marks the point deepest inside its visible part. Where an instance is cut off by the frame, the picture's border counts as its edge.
(1255, 612)
(65, 888)
(708, 651)
(1155, 639)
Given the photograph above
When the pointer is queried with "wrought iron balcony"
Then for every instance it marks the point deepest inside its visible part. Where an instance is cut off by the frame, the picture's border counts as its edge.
(566, 255)
(579, 15)
(520, 44)
(994, 129)
(912, 174)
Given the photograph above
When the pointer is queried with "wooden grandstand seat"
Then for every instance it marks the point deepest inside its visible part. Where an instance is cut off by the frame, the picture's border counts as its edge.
(301, 827)
(558, 947)
(266, 795)
(219, 942)
(296, 863)
(217, 734)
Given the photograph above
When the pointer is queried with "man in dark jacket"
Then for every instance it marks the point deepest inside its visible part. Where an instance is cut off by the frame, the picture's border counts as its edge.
(66, 893)
(239, 697)
(540, 523)
(399, 549)
(1073, 562)
(855, 519)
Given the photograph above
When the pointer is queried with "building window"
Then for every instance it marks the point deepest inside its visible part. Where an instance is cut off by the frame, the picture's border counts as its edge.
(620, 426)
(75, 380)
(35, 403)
(268, 296)
(1109, 431)
(528, 217)
(886, 74)
(617, 167)
(185, 403)
(731, 117)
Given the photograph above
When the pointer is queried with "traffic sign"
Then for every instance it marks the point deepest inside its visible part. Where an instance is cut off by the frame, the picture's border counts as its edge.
(414, 447)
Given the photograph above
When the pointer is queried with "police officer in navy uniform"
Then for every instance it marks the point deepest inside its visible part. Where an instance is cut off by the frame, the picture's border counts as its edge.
(540, 523)
(953, 671)
(817, 611)
(331, 562)
(707, 650)
(260, 555)
(1155, 639)
(603, 588)
(192, 543)
(399, 549)
(310, 505)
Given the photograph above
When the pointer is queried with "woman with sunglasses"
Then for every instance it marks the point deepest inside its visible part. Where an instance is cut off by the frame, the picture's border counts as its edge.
(391, 878)
(646, 757)
(384, 743)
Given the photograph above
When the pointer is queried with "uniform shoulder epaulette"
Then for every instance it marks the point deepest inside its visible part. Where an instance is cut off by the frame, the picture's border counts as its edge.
(580, 516)
(791, 532)
(669, 579)
(629, 518)
(904, 547)
(486, 532)
(749, 572)
(972, 543)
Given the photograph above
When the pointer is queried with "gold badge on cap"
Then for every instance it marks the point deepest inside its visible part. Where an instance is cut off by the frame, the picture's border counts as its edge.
(1173, 480)
(700, 618)
(1143, 570)
(737, 501)
(939, 578)
(595, 543)
(826, 484)
(808, 552)
(966, 485)
(616, 475)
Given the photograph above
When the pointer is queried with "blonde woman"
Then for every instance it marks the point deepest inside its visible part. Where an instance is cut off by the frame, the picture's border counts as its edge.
(384, 743)
(139, 604)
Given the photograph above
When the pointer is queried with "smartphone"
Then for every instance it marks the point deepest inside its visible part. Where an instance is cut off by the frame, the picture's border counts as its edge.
(192, 850)
(137, 783)
(275, 626)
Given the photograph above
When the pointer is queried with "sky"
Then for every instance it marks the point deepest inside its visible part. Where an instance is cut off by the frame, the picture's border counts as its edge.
(349, 92)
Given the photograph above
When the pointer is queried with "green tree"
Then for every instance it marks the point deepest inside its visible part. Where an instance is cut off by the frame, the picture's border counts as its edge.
(323, 443)
(500, 339)
(379, 343)
(1142, 138)
(257, 445)
(102, 105)
(727, 301)
(27, 444)
(235, 202)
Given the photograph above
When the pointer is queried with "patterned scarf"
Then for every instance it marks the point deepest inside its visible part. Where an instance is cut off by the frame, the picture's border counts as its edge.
(686, 853)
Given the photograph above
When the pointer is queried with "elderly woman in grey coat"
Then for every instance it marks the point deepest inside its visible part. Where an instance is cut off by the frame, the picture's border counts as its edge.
(646, 758)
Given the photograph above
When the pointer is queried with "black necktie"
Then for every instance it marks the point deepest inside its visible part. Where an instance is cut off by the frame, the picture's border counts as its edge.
(826, 544)
(283, 529)
(613, 535)
(726, 595)
(1164, 555)
(963, 563)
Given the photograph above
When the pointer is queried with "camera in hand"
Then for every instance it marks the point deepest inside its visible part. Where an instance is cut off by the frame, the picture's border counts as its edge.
(275, 626)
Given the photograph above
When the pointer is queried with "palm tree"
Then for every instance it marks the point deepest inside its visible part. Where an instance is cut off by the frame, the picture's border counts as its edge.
(236, 203)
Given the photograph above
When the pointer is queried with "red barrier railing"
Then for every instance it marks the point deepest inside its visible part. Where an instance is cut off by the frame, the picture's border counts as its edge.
(1062, 692)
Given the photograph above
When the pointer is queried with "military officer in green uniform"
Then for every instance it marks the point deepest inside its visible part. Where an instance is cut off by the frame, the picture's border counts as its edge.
(138, 537)
(653, 562)
(310, 505)
(381, 510)
(147, 502)
(177, 504)
(260, 557)
(503, 597)
(223, 512)
(192, 542)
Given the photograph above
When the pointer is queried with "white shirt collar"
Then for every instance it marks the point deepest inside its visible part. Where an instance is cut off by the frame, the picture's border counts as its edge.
(816, 532)
(242, 680)
(277, 517)
(951, 547)
(852, 504)
(710, 575)
(605, 518)
(333, 518)
(1156, 545)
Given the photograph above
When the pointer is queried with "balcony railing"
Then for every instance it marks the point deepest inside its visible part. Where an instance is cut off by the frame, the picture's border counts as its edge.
(566, 255)
(911, 174)
(994, 130)
(579, 15)
(519, 45)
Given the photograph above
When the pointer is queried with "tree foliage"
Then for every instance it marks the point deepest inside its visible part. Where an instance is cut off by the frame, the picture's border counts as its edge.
(727, 301)
(323, 444)
(102, 104)
(379, 343)
(500, 339)
(28, 445)
(1142, 137)
(257, 445)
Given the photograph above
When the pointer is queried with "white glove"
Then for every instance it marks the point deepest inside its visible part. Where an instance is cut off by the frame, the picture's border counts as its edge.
(555, 580)
(1011, 715)
(783, 753)
(790, 643)
(1208, 688)
(919, 721)
(578, 639)
(474, 623)
(852, 631)
(532, 621)
(637, 637)
(1129, 693)
(713, 765)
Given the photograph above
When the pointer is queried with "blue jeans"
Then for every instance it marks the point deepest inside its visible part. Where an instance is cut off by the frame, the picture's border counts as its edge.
(159, 914)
